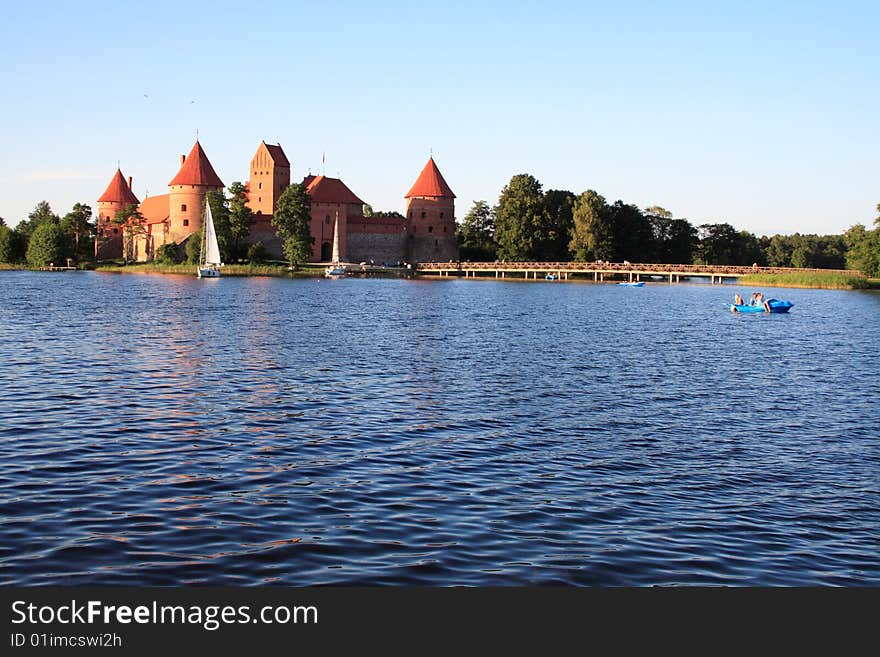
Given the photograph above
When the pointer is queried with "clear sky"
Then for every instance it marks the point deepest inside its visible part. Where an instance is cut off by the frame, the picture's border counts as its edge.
(760, 114)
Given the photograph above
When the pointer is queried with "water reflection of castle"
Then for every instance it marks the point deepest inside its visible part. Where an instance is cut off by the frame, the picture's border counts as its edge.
(426, 233)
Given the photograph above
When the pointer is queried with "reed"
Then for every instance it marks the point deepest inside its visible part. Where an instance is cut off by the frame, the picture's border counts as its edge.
(305, 271)
(811, 279)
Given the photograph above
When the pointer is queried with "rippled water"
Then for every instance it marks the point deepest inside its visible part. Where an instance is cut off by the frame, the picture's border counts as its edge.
(164, 430)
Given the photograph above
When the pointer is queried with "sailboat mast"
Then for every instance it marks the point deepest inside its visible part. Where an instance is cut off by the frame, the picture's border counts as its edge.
(336, 239)
(204, 237)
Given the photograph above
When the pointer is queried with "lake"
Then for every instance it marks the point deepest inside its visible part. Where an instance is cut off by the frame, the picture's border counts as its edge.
(162, 430)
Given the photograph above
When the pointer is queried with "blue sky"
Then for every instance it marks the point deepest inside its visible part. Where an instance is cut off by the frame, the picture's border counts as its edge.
(760, 114)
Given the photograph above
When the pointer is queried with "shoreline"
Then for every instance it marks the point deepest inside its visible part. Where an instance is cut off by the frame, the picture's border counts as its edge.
(801, 281)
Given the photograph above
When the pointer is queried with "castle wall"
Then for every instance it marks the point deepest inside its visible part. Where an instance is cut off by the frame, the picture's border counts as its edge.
(427, 248)
(381, 248)
(263, 231)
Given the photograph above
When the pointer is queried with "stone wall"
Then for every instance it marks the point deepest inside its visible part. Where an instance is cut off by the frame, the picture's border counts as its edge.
(432, 249)
(388, 248)
(263, 231)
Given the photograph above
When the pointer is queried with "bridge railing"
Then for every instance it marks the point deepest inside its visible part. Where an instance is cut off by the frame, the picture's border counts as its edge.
(623, 267)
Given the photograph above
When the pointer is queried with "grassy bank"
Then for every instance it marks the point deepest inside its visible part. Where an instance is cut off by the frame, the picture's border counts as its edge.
(810, 279)
(306, 271)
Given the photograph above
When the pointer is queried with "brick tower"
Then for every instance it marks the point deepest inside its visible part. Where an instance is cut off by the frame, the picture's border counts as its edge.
(117, 195)
(269, 177)
(188, 190)
(430, 218)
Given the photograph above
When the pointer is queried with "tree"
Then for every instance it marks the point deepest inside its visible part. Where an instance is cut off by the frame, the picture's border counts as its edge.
(722, 244)
(521, 219)
(256, 253)
(41, 214)
(241, 218)
(863, 249)
(46, 245)
(80, 231)
(778, 251)
(476, 233)
(368, 210)
(560, 211)
(167, 253)
(132, 223)
(10, 245)
(591, 237)
(193, 247)
(657, 211)
(632, 233)
(291, 220)
(674, 240)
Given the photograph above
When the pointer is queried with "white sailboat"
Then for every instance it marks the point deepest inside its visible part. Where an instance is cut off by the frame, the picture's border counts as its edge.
(209, 254)
(336, 268)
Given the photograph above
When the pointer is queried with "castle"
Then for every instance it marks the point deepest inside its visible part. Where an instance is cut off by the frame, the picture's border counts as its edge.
(426, 232)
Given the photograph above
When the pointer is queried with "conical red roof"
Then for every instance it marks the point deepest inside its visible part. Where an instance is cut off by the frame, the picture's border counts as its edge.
(118, 191)
(430, 183)
(197, 170)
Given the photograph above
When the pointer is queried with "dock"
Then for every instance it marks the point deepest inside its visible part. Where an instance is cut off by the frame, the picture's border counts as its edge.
(599, 270)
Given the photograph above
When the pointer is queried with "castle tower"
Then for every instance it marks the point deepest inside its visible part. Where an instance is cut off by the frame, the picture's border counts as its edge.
(117, 195)
(188, 190)
(430, 218)
(269, 177)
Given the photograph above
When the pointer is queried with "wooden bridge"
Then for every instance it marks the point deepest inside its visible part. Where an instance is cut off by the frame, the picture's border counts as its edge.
(600, 269)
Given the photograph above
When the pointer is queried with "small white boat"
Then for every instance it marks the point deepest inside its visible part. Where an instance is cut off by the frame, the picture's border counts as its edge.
(336, 268)
(209, 254)
(551, 277)
(633, 284)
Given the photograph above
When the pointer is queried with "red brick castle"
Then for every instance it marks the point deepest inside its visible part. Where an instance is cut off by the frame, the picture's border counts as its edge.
(425, 233)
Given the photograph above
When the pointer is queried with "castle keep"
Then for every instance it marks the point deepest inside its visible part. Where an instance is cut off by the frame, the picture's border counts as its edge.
(425, 233)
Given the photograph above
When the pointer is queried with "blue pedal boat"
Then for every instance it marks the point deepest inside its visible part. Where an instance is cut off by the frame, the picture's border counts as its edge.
(775, 305)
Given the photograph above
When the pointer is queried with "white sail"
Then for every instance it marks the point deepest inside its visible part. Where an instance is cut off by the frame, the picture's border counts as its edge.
(336, 240)
(212, 249)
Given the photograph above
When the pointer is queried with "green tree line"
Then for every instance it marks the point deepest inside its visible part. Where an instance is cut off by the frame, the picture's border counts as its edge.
(530, 224)
(45, 237)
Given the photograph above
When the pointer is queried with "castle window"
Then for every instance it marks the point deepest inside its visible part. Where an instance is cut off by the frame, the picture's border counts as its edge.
(260, 186)
(430, 229)
(259, 199)
(444, 229)
(327, 219)
(183, 207)
(424, 214)
(441, 215)
(186, 222)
